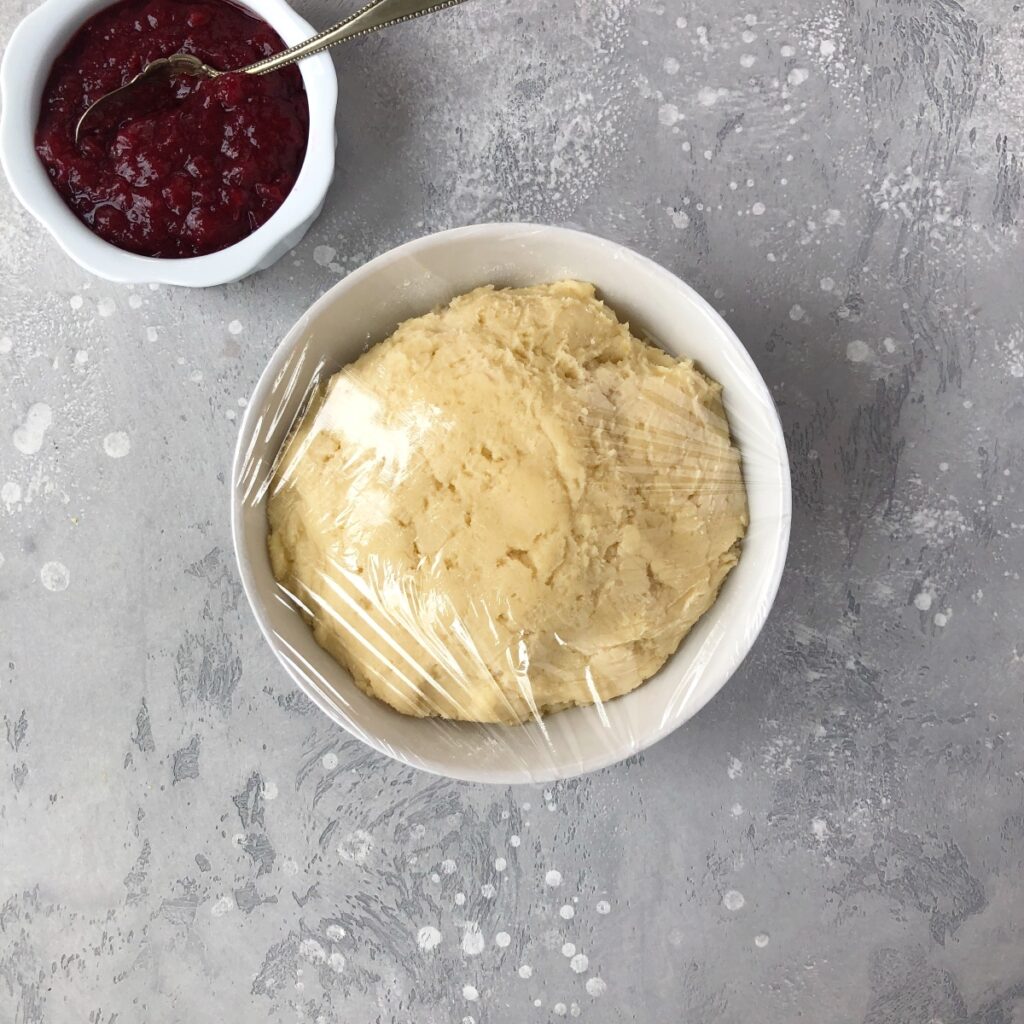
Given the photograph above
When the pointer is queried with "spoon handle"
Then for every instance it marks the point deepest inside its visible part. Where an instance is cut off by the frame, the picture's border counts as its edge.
(376, 14)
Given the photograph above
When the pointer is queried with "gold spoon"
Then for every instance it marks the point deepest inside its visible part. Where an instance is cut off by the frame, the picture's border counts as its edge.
(375, 15)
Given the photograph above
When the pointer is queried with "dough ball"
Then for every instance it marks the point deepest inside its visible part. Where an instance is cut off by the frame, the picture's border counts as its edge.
(510, 507)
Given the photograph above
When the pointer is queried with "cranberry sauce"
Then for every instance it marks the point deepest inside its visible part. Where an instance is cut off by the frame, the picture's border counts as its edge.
(194, 169)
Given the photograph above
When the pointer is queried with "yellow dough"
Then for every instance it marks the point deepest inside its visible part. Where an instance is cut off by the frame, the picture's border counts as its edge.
(509, 507)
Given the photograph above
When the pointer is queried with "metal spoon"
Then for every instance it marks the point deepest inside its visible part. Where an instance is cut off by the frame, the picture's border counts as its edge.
(375, 15)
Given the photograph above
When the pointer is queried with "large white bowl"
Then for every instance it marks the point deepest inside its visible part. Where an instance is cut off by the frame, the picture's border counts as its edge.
(364, 308)
(30, 54)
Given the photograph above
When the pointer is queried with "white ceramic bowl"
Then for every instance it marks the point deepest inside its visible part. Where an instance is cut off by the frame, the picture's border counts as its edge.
(364, 308)
(30, 54)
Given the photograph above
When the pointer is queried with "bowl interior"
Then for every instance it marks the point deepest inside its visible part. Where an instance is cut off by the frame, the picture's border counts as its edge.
(365, 308)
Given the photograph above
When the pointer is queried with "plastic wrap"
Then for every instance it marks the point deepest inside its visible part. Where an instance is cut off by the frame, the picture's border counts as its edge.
(491, 541)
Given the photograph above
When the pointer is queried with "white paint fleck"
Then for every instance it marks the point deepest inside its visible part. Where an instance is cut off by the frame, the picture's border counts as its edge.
(106, 306)
(5, 345)
(827, 47)
(355, 847)
(28, 438)
(81, 357)
(151, 334)
(761, 940)
(329, 761)
(460, 899)
(222, 906)
(858, 351)
(735, 769)
(747, 36)
(596, 987)
(566, 912)
(448, 867)
(579, 963)
(603, 907)
(290, 867)
(428, 938)
(923, 601)
(757, 209)
(681, 22)
(500, 864)
(514, 841)
(335, 932)
(941, 619)
(827, 284)
(311, 950)
(668, 114)
(235, 327)
(671, 66)
(797, 76)
(526, 971)
(568, 949)
(560, 1009)
(680, 218)
(488, 891)
(76, 302)
(750, 19)
(787, 50)
(736, 810)
(733, 900)
(747, 60)
(270, 791)
(797, 312)
(336, 961)
(117, 444)
(833, 216)
(889, 344)
(943, 467)
(503, 940)
(55, 576)
(470, 993)
(706, 96)
(324, 255)
(473, 941)
(553, 878)
(820, 829)
(135, 301)
(10, 494)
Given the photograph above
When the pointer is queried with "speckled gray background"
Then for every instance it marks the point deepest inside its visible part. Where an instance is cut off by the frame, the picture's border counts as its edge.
(838, 837)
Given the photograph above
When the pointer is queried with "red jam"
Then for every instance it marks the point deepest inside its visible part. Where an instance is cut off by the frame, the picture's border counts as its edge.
(197, 167)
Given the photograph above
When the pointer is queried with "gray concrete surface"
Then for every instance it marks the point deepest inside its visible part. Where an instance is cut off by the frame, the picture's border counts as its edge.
(838, 837)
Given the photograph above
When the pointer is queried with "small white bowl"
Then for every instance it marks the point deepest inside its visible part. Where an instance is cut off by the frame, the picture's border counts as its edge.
(30, 54)
(364, 308)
